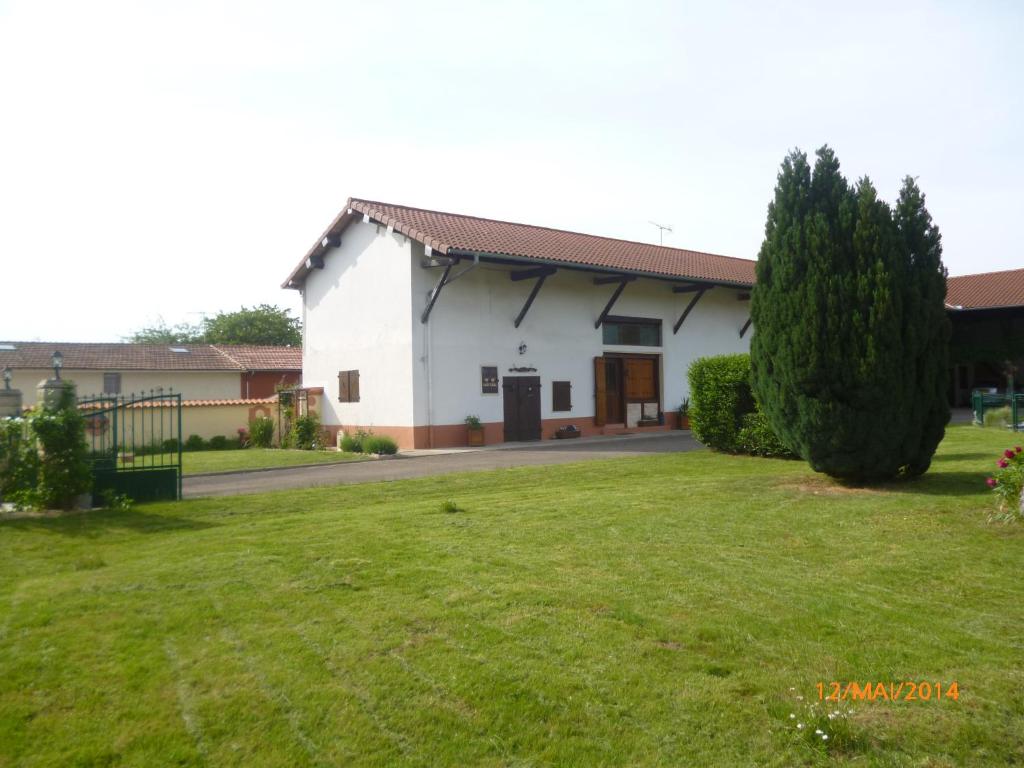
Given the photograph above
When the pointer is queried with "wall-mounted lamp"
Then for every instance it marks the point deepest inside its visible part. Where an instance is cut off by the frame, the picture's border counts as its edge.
(522, 348)
(57, 361)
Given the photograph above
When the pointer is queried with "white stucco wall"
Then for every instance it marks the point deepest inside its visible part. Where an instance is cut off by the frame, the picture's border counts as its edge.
(472, 325)
(193, 385)
(357, 314)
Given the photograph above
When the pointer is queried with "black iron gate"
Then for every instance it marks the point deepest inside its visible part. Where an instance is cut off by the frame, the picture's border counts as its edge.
(135, 444)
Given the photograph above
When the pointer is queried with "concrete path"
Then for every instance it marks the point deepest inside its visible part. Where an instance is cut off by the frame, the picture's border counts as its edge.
(404, 467)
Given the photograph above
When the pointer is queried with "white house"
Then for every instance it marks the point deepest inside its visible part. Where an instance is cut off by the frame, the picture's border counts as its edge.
(414, 320)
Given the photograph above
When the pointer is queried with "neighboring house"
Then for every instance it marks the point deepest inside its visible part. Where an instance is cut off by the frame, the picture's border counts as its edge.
(987, 312)
(414, 320)
(198, 371)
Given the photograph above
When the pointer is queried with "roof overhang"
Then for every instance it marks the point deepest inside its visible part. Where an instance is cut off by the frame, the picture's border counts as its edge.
(356, 210)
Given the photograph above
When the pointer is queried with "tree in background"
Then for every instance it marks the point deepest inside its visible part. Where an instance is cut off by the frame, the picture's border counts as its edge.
(850, 348)
(263, 324)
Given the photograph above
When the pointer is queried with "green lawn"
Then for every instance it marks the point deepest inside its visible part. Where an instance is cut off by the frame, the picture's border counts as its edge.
(665, 610)
(197, 462)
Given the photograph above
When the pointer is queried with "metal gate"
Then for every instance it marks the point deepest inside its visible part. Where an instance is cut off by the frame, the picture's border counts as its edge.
(135, 444)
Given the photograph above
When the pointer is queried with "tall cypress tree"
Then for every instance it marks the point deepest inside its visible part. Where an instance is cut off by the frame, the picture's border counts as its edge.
(850, 333)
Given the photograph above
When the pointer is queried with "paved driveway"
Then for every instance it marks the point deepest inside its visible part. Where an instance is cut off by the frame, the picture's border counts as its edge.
(401, 467)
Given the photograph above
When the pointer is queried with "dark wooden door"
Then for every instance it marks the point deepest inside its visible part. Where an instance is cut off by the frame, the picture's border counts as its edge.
(521, 395)
(614, 413)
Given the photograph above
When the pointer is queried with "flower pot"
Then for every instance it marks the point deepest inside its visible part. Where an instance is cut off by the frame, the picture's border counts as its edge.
(684, 422)
(476, 437)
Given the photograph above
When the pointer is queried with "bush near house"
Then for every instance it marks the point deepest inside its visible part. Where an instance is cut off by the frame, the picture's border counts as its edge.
(723, 412)
(261, 432)
(306, 433)
(19, 461)
(380, 445)
(64, 471)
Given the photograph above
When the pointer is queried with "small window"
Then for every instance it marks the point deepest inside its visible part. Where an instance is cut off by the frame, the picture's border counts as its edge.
(111, 383)
(633, 332)
(489, 379)
(561, 396)
(179, 350)
(348, 386)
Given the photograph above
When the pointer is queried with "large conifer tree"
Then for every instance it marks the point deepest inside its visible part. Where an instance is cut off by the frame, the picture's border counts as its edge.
(850, 332)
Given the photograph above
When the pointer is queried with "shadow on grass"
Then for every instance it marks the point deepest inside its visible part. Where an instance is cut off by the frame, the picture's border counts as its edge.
(98, 522)
(941, 484)
(977, 456)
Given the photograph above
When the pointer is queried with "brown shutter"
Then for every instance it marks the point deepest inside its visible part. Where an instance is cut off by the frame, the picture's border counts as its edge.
(561, 396)
(343, 393)
(353, 386)
(600, 395)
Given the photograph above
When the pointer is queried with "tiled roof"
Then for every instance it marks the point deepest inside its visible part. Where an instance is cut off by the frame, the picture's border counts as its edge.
(257, 358)
(987, 289)
(150, 357)
(450, 232)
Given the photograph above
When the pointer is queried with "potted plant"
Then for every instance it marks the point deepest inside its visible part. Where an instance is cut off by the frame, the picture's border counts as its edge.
(684, 414)
(475, 431)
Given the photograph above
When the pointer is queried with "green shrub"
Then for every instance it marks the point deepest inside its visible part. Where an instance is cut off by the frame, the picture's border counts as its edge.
(720, 397)
(170, 445)
(998, 417)
(757, 438)
(261, 432)
(306, 433)
(353, 442)
(219, 443)
(195, 443)
(380, 445)
(64, 470)
(450, 507)
(19, 461)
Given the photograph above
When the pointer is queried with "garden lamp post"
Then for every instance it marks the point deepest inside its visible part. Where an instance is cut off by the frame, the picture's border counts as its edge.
(8, 375)
(57, 360)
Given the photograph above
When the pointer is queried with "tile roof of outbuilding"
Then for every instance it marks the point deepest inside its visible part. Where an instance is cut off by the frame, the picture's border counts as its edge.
(150, 357)
(452, 233)
(986, 290)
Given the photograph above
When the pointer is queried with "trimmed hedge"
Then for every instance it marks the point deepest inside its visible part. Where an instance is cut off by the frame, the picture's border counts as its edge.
(723, 412)
(719, 397)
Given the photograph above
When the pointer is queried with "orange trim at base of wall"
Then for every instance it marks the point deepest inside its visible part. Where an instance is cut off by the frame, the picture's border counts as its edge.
(457, 436)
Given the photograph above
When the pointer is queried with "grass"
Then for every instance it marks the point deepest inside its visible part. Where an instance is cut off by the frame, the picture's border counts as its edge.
(197, 462)
(651, 611)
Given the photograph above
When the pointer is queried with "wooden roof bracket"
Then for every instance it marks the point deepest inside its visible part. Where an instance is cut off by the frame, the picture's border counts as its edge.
(746, 325)
(432, 298)
(446, 278)
(700, 291)
(542, 274)
(621, 280)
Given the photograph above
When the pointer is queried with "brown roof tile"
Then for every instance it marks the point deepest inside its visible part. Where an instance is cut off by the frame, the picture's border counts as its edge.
(986, 289)
(150, 357)
(446, 232)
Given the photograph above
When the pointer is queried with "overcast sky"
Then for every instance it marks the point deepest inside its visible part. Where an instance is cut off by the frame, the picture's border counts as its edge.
(162, 160)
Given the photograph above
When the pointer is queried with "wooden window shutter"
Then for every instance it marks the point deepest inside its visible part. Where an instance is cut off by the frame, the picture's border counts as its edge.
(561, 396)
(600, 393)
(353, 386)
(343, 392)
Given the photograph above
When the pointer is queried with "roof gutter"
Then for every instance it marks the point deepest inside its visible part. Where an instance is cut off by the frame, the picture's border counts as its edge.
(503, 258)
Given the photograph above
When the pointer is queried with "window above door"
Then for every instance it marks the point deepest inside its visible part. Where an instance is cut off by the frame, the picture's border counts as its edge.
(631, 331)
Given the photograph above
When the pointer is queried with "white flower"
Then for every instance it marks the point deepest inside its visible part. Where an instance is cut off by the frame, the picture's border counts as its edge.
(799, 698)
(818, 731)
(800, 726)
(792, 689)
(831, 715)
(792, 716)
(824, 737)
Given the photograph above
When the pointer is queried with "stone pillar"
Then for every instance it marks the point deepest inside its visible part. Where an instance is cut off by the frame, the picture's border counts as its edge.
(10, 403)
(48, 391)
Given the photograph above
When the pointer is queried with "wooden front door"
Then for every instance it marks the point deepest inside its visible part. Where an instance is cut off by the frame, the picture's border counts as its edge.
(521, 395)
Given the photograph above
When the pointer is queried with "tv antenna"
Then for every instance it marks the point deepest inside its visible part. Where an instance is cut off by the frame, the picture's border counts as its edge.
(662, 229)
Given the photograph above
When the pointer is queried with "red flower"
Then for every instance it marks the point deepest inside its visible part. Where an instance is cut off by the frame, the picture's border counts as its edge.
(1018, 449)
(991, 482)
(1008, 453)
(1003, 463)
